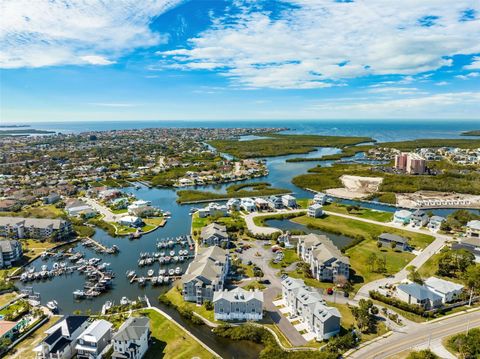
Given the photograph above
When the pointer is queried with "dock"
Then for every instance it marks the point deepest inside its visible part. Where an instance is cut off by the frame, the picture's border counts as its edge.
(99, 247)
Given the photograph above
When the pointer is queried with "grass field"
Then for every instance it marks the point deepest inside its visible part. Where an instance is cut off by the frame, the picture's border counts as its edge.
(290, 256)
(37, 211)
(24, 349)
(170, 341)
(358, 229)
(7, 297)
(366, 213)
(175, 296)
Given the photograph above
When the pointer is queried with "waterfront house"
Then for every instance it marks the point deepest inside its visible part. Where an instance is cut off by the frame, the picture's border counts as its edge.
(214, 235)
(386, 239)
(205, 274)
(285, 239)
(471, 244)
(10, 329)
(76, 208)
(130, 221)
(414, 293)
(327, 262)
(289, 201)
(131, 340)
(238, 305)
(36, 228)
(261, 204)
(315, 210)
(233, 204)
(435, 223)
(138, 204)
(61, 338)
(92, 341)
(275, 202)
(10, 252)
(473, 229)
(419, 218)
(320, 198)
(402, 216)
(306, 304)
(143, 212)
(214, 210)
(248, 204)
(448, 291)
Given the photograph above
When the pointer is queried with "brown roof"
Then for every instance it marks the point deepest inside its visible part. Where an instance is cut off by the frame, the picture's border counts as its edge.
(6, 326)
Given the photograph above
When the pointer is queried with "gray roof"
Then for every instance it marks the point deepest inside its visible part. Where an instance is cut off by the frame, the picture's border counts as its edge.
(96, 330)
(208, 264)
(133, 328)
(323, 248)
(32, 222)
(292, 283)
(238, 295)
(214, 229)
(418, 291)
(9, 246)
(393, 238)
(323, 312)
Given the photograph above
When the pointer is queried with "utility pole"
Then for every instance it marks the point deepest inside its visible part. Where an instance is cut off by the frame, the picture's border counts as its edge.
(471, 297)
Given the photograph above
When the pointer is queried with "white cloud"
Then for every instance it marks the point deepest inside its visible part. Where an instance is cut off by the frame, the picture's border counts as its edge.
(321, 43)
(395, 90)
(441, 83)
(475, 65)
(46, 33)
(470, 75)
(113, 104)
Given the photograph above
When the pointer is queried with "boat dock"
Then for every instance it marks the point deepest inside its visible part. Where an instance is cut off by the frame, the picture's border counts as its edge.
(99, 247)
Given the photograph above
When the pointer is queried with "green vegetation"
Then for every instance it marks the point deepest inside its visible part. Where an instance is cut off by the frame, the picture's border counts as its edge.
(387, 197)
(360, 212)
(23, 132)
(260, 220)
(467, 346)
(7, 297)
(289, 256)
(174, 297)
(15, 310)
(254, 285)
(38, 211)
(423, 354)
(349, 151)
(254, 189)
(413, 308)
(170, 341)
(433, 143)
(279, 145)
(471, 133)
(106, 226)
(451, 180)
(456, 220)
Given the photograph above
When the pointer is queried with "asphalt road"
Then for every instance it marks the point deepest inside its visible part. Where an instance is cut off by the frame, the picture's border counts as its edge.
(420, 335)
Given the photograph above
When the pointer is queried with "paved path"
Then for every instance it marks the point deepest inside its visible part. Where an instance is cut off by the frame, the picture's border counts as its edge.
(422, 335)
(259, 230)
(108, 215)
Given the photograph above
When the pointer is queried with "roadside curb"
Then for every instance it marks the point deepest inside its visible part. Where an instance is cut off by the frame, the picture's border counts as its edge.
(363, 345)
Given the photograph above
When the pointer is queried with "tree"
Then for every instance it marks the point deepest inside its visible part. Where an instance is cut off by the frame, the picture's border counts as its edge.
(208, 305)
(454, 262)
(472, 277)
(423, 354)
(413, 275)
(371, 260)
(365, 315)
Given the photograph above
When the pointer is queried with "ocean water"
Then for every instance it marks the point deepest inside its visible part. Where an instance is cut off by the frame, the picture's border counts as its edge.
(386, 130)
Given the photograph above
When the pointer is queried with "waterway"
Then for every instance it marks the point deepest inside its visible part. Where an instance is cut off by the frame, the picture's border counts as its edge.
(61, 288)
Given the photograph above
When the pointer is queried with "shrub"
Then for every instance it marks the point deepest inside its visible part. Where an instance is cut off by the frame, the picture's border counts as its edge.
(412, 308)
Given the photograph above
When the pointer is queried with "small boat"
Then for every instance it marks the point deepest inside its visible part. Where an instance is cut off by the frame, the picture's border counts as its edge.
(181, 258)
(141, 281)
(160, 279)
(130, 274)
(154, 280)
(53, 306)
(161, 260)
(24, 277)
(175, 259)
(167, 259)
(166, 279)
(31, 270)
(171, 271)
(150, 272)
(44, 268)
(162, 271)
(178, 270)
(44, 255)
(172, 253)
(124, 301)
(78, 293)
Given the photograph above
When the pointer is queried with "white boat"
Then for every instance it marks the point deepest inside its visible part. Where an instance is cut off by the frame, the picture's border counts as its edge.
(55, 266)
(171, 271)
(150, 272)
(141, 281)
(44, 268)
(154, 280)
(106, 307)
(160, 279)
(162, 271)
(31, 269)
(53, 306)
(130, 274)
(124, 301)
(166, 279)
(181, 258)
(44, 255)
(175, 259)
(178, 270)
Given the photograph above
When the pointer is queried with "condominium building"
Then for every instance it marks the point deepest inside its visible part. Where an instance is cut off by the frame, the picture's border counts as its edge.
(238, 304)
(411, 163)
(37, 228)
(10, 252)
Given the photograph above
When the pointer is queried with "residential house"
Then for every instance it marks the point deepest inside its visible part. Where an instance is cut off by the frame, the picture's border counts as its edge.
(261, 204)
(36, 228)
(473, 229)
(289, 201)
(51, 198)
(414, 293)
(205, 274)
(327, 262)
(214, 235)
(402, 216)
(320, 198)
(76, 208)
(449, 291)
(238, 304)
(143, 212)
(471, 244)
(10, 252)
(130, 221)
(61, 338)
(214, 210)
(435, 223)
(419, 218)
(9, 329)
(131, 340)
(248, 204)
(233, 204)
(386, 239)
(315, 210)
(307, 304)
(138, 204)
(93, 340)
(275, 202)
(9, 205)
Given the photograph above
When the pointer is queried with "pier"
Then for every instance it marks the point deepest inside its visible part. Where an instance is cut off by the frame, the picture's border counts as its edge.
(100, 248)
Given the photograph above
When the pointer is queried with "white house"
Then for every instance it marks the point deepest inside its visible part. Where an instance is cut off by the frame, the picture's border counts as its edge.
(92, 342)
(320, 198)
(238, 304)
(131, 340)
(289, 201)
(130, 221)
(315, 210)
(435, 223)
(449, 291)
(248, 204)
(413, 293)
(402, 216)
(419, 218)
(213, 209)
(61, 338)
(473, 228)
(233, 204)
(138, 204)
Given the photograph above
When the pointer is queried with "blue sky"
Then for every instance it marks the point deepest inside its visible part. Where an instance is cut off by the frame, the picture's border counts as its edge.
(300, 59)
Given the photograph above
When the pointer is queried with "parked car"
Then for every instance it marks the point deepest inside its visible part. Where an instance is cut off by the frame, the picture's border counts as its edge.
(330, 291)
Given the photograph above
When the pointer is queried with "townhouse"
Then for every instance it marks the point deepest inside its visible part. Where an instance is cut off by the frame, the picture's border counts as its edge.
(238, 305)
(36, 228)
(131, 340)
(214, 235)
(92, 341)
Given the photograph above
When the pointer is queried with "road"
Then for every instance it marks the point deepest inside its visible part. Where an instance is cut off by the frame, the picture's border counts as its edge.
(259, 230)
(108, 216)
(422, 335)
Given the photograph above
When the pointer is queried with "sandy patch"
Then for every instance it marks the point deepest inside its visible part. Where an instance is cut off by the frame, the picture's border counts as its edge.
(356, 187)
(432, 199)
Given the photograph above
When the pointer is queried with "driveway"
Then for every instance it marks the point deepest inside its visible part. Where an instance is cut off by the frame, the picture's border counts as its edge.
(258, 230)
(108, 216)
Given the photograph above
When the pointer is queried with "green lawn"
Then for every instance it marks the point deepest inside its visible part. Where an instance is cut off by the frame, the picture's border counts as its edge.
(366, 213)
(170, 341)
(37, 210)
(119, 211)
(254, 285)
(7, 297)
(358, 229)
(430, 267)
(175, 296)
(290, 256)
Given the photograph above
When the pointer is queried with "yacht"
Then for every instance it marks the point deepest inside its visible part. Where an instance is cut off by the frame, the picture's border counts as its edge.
(150, 272)
(130, 274)
(124, 301)
(178, 271)
(171, 271)
(78, 293)
(53, 306)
